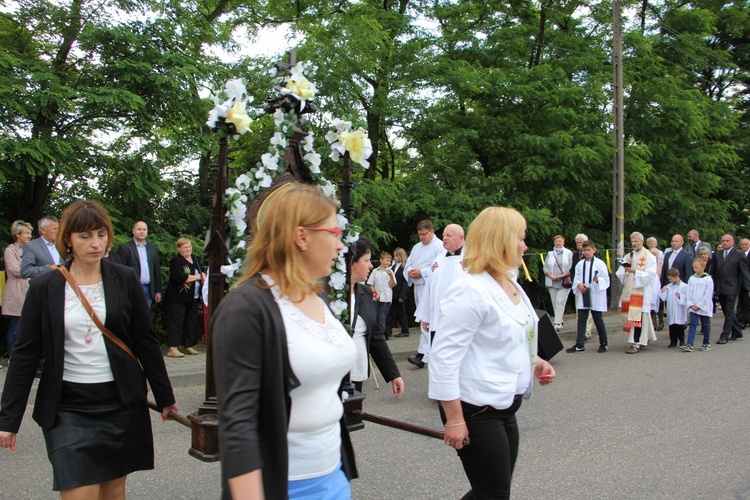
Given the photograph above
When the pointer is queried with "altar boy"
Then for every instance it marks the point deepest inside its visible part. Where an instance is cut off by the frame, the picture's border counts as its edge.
(590, 287)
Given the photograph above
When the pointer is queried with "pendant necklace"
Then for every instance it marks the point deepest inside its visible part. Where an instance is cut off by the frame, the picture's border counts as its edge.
(77, 290)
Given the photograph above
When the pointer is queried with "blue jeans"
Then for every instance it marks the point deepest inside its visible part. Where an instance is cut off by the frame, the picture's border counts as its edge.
(383, 308)
(147, 291)
(705, 328)
(12, 333)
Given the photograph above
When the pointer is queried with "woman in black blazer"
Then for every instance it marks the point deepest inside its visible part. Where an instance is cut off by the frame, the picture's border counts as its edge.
(368, 339)
(182, 295)
(91, 399)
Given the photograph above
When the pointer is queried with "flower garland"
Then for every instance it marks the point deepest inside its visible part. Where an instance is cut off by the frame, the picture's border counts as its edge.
(250, 184)
(229, 105)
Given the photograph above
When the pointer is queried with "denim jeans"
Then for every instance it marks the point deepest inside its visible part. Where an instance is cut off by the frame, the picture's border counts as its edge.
(705, 328)
(147, 291)
(12, 333)
(383, 308)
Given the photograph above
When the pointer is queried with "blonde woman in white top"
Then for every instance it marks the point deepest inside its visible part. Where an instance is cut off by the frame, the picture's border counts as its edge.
(484, 357)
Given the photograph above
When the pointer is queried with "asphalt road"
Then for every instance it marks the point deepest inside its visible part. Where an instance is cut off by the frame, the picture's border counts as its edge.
(657, 424)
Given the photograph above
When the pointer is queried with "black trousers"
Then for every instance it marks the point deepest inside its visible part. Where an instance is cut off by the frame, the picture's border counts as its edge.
(182, 319)
(676, 334)
(731, 326)
(490, 458)
(398, 313)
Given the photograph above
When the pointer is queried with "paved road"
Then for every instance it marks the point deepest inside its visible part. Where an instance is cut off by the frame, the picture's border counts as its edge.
(657, 424)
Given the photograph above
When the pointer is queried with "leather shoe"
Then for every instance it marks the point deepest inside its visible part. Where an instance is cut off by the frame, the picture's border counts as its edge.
(721, 341)
(174, 353)
(416, 361)
(191, 351)
(401, 335)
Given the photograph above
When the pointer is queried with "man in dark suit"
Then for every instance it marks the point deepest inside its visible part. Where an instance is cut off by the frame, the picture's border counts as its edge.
(695, 243)
(40, 254)
(678, 258)
(144, 258)
(730, 274)
(398, 308)
(743, 304)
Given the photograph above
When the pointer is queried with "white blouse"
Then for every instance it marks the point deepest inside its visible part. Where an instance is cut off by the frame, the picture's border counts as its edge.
(486, 347)
(85, 360)
(321, 354)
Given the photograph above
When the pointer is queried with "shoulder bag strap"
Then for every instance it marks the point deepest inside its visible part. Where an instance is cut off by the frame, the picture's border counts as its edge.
(85, 303)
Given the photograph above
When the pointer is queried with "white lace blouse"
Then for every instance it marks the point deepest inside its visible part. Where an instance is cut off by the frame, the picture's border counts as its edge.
(320, 355)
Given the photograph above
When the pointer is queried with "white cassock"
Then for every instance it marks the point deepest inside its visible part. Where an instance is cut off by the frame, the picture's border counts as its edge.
(447, 270)
(422, 257)
(585, 273)
(676, 306)
(700, 293)
(643, 279)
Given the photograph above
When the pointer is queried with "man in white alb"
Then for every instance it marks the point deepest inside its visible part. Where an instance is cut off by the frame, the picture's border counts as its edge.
(445, 270)
(636, 276)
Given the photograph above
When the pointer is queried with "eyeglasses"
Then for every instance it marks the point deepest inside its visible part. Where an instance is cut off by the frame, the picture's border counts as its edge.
(334, 230)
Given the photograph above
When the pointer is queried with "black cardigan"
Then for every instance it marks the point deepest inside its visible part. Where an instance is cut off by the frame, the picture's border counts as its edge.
(253, 381)
(176, 291)
(42, 332)
(377, 347)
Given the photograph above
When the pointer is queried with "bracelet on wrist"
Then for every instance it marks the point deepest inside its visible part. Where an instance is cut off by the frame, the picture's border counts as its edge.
(454, 425)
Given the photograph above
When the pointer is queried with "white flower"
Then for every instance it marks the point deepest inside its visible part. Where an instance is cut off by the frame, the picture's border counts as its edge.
(271, 162)
(307, 143)
(278, 140)
(273, 71)
(242, 244)
(230, 269)
(351, 238)
(342, 220)
(314, 160)
(265, 179)
(213, 116)
(239, 226)
(235, 89)
(278, 117)
(337, 281)
(342, 125)
(243, 182)
(329, 189)
(335, 156)
(222, 109)
(332, 137)
(338, 307)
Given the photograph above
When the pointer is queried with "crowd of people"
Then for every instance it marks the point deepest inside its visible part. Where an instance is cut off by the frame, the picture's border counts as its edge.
(684, 284)
(281, 357)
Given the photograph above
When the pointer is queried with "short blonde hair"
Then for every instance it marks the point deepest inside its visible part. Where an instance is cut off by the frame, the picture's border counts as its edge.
(19, 227)
(492, 242)
(281, 213)
(182, 242)
(652, 239)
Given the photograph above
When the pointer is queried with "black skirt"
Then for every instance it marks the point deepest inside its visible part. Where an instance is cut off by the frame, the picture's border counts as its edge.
(96, 438)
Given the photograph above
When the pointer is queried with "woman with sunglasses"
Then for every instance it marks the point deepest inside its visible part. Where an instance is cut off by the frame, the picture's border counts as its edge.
(280, 356)
(16, 286)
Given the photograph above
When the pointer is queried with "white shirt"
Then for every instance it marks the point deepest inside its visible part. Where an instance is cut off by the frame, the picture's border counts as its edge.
(676, 306)
(380, 279)
(486, 346)
(422, 258)
(85, 362)
(584, 273)
(53, 251)
(701, 293)
(320, 356)
(449, 269)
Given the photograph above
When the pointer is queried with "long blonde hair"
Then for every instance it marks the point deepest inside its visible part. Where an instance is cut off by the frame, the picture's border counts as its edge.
(492, 242)
(273, 247)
